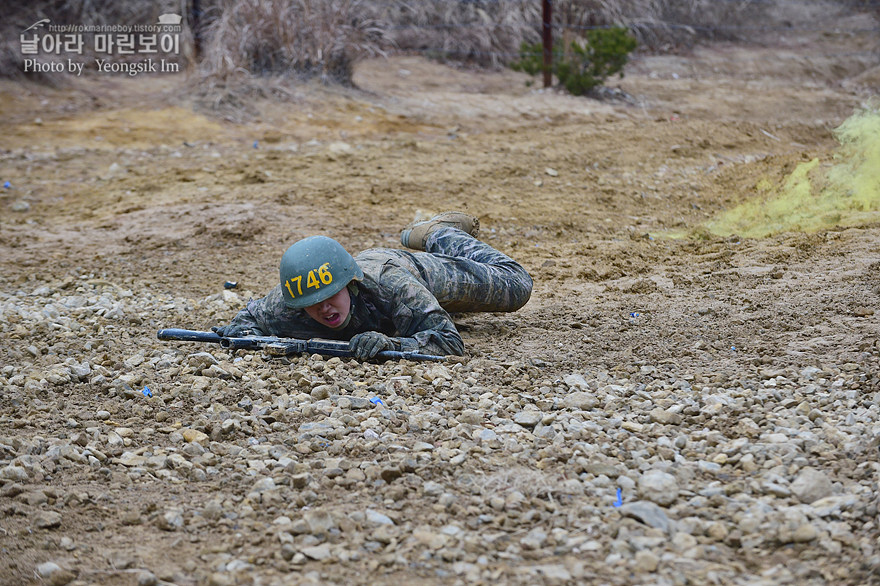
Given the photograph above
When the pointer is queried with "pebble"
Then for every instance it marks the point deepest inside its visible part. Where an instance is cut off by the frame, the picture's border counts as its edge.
(580, 400)
(376, 518)
(170, 520)
(14, 473)
(317, 552)
(147, 578)
(811, 485)
(664, 417)
(648, 513)
(54, 574)
(646, 561)
(528, 418)
(47, 519)
(320, 522)
(194, 436)
(658, 487)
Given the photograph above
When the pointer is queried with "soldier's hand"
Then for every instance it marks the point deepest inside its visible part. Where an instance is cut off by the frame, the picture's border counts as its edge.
(232, 331)
(368, 344)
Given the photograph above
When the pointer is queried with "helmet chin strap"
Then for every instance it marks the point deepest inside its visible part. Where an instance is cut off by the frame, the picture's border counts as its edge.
(344, 324)
(352, 289)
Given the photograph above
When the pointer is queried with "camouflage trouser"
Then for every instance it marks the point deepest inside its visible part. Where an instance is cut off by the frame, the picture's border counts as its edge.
(465, 274)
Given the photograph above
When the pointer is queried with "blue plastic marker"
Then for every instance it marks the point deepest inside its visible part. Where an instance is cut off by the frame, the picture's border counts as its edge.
(376, 401)
(147, 392)
(619, 500)
(256, 144)
(7, 185)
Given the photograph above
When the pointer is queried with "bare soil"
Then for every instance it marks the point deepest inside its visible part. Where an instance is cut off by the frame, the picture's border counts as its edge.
(127, 183)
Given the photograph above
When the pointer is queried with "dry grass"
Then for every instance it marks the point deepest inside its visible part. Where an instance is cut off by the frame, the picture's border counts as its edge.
(301, 38)
(490, 32)
(484, 32)
(257, 48)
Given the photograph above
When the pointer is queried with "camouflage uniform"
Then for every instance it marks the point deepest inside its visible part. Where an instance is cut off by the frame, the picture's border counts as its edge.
(408, 294)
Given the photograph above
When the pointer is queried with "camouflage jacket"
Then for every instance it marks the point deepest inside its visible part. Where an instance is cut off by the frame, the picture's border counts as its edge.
(391, 299)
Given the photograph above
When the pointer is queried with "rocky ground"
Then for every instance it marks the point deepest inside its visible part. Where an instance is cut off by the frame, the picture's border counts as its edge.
(663, 411)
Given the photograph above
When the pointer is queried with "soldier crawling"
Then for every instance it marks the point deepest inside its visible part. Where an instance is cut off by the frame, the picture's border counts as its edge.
(385, 299)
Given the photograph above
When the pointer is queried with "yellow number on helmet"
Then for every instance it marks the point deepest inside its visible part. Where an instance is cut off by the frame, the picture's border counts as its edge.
(299, 287)
(325, 274)
(313, 281)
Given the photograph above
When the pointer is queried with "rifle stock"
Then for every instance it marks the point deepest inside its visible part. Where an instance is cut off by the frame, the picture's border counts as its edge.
(286, 346)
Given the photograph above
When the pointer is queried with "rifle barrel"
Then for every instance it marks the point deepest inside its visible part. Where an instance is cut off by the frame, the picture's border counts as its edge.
(188, 335)
(325, 347)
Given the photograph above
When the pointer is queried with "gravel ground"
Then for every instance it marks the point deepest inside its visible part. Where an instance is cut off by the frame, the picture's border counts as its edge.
(475, 469)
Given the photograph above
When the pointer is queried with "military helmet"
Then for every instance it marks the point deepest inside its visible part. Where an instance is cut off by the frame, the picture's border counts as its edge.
(315, 269)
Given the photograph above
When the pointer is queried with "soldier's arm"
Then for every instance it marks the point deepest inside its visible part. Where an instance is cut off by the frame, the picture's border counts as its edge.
(438, 337)
(422, 325)
(269, 316)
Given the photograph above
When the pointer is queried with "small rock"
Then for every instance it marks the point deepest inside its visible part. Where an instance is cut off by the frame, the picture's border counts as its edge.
(377, 518)
(471, 417)
(319, 521)
(47, 520)
(486, 435)
(811, 485)
(55, 574)
(580, 400)
(200, 360)
(805, 533)
(646, 561)
(432, 488)
(534, 539)
(263, 485)
(658, 487)
(14, 473)
(576, 380)
(554, 573)
(528, 418)
(647, 513)
(665, 417)
(147, 578)
(317, 552)
(220, 579)
(170, 521)
(428, 537)
(602, 469)
(833, 505)
(193, 436)
(633, 426)
(321, 392)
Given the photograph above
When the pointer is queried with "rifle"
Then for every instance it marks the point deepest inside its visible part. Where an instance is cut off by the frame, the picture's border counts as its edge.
(285, 346)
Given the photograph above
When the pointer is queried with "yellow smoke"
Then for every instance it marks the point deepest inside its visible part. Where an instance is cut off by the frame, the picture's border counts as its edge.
(844, 192)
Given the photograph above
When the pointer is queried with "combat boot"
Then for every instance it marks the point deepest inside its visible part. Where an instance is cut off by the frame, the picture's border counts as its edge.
(416, 234)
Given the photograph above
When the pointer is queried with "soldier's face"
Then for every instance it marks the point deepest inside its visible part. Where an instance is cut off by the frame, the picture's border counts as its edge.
(331, 312)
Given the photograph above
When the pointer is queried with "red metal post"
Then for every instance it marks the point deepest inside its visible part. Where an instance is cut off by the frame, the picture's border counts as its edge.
(195, 25)
(547, 35)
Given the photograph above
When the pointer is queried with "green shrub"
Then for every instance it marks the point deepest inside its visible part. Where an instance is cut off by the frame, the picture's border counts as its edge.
(585, 63)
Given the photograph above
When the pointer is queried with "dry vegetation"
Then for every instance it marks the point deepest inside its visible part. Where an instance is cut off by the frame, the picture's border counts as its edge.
(325, 38)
